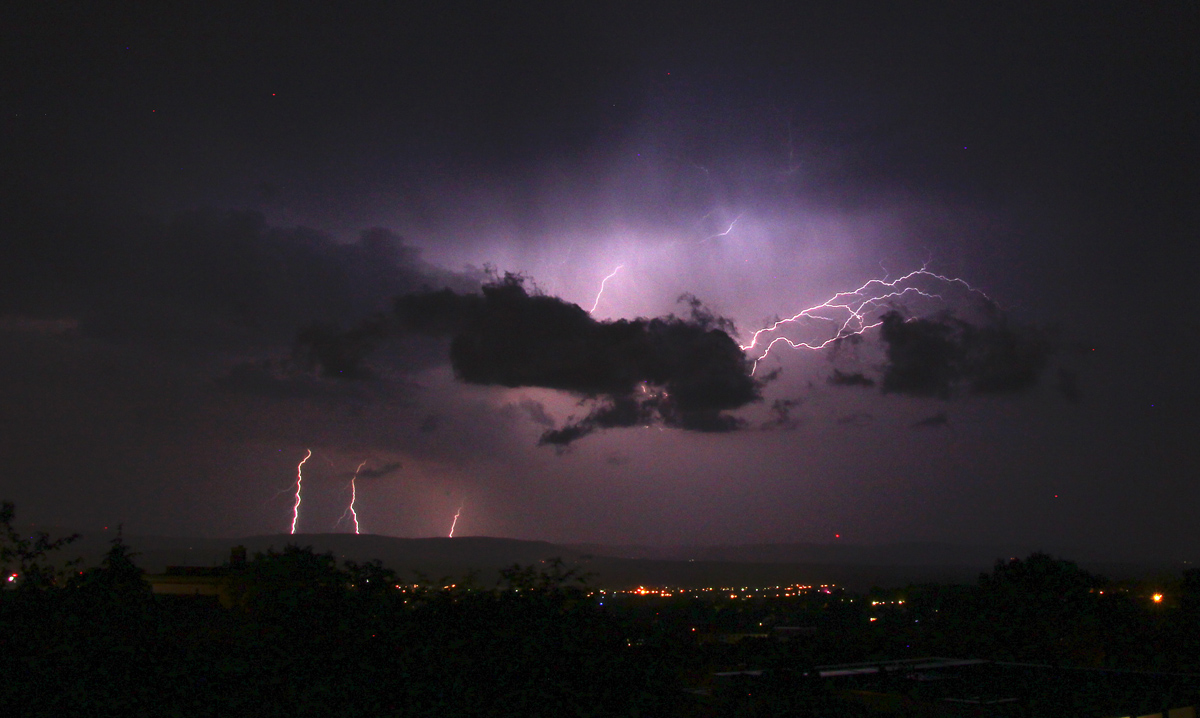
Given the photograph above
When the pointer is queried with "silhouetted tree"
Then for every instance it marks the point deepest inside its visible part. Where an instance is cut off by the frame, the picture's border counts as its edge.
(1039, 608)
(25, 560)
(117, 573)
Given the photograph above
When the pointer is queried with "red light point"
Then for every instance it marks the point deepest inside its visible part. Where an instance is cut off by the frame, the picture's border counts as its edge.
(837, 535)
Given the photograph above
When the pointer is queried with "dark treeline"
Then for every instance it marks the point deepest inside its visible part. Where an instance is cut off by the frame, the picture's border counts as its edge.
(1058, 641)
(1037, 609)
(302, 635)
(309, 638)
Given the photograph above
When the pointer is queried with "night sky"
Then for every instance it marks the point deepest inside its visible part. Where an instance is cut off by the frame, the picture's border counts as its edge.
(231, 233)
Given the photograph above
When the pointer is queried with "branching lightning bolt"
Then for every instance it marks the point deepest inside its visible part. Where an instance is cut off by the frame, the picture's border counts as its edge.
(602, 283)
(353, 496)
(299, 479)
(727, 229)
(851, 310)
(455, 521)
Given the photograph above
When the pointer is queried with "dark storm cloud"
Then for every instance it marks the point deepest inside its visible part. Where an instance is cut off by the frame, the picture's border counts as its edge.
(781, 415)
(220, 296)
(683, 372)
(624, 411)
(274, 379)
(201, 282)
(284, 379)
(340, 354)
(940, 356)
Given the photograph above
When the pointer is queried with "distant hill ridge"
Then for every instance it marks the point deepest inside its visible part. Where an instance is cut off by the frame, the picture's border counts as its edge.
(854, 566)
(897, 554)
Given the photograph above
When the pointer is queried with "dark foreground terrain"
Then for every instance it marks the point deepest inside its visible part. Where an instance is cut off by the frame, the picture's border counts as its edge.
(296, 632)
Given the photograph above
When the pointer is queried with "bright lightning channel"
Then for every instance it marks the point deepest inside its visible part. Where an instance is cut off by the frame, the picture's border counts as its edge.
(299, 479)
(854, 306)
(727, 229)
(455, 521)
(353, 497)
(601, 292)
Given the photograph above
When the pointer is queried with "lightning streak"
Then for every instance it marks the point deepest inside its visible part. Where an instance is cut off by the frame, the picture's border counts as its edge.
(602, 283)
(727, 230)
(299, 479)
(353, 496)
(455, 521)
(851, 311)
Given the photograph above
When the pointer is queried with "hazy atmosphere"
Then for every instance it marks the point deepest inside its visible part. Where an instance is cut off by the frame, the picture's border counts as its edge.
(505, 267)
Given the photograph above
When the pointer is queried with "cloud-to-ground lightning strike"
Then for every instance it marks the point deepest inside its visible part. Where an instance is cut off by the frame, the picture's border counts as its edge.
(855, 306)
(299, 479)
(455, 521)
(353, 497)
(601, 292)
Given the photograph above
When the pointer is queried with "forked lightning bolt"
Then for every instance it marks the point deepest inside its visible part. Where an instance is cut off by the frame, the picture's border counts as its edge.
(455, 521)
(299, 479)
(851, 311)
(602, 283)
(727, 229)
(353, 496)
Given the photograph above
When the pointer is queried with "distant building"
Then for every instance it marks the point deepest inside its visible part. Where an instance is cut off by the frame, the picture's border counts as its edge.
(198, 581)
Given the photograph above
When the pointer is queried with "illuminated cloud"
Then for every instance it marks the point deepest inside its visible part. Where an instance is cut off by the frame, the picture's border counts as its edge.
(858, 419)
(840, 378)
(536, 411)
(375, 473)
